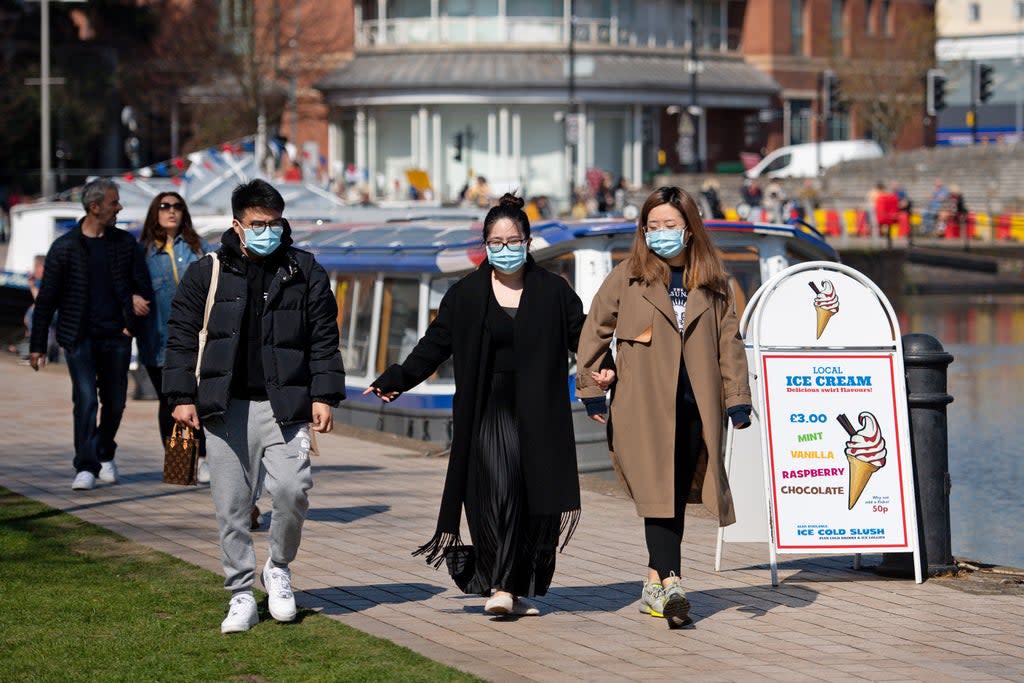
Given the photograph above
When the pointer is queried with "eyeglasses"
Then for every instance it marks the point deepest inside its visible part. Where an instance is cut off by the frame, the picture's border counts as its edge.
(276, 227)
(515, 244)
(168, 206)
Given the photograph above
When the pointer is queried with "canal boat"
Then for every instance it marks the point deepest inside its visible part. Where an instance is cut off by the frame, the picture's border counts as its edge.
(389, 278)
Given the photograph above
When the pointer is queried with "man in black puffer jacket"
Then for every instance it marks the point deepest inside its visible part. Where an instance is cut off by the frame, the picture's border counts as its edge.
(270, 367)
(96, 281)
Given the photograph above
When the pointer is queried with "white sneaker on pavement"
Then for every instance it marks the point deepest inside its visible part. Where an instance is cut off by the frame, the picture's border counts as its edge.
(203, 472)
(84, 481)
(108, 472)
(278, 583)
(242, 614)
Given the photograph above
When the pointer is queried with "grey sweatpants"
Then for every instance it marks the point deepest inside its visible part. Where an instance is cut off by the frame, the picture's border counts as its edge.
(237, 443)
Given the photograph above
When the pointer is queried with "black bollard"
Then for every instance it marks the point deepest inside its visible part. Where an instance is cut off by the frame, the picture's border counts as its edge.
(925, 362)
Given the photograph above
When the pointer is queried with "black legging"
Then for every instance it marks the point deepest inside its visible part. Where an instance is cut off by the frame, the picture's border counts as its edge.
(665, 534)
(163, 413)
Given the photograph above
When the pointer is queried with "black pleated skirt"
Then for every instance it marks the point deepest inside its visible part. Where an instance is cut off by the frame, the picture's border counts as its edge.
(515, 551)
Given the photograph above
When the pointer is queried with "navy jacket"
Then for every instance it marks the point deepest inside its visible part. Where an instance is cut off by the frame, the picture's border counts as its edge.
(65, 287)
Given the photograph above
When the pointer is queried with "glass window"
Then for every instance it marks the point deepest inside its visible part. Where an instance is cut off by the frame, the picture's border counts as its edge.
(839, 126)
(438, 287)
(797, 26)
(355, 314)
(744, 265)
(469, 8)
(800, 118)
(886, 12)
(408, 9)
(837, 26)
(868, 24)
(973, 12)
(535, 8)
(1019, 11)
(779, 163)
(398, 321)
(564, 265)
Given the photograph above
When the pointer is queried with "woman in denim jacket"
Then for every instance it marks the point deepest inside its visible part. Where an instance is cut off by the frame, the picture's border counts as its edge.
(171, 245)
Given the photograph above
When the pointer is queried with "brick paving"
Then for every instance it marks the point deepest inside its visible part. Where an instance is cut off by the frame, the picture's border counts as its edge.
(373, 503)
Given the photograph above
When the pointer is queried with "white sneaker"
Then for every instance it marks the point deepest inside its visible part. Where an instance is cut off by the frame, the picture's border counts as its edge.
(108, 472)
(242, 614)
(203, 472)
(278, 583)
(84, 481)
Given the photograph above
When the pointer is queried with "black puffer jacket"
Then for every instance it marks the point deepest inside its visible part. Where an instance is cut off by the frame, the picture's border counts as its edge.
(65, 287)
(301, 360)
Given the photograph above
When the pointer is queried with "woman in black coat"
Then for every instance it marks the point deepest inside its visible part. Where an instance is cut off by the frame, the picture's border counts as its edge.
(509, 327)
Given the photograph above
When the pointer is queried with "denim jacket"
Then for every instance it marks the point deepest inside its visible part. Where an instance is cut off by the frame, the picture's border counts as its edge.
(153, 341)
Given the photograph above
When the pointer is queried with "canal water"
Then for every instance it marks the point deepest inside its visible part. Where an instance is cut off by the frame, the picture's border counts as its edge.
(985, 335)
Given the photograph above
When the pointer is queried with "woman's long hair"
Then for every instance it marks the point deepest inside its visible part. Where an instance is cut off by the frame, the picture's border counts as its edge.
(154, 234)
(703, 264)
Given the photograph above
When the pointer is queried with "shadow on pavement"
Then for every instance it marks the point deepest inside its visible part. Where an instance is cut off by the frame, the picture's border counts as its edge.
(345, 468)
(345, 515)
(345, 599)
(756, 601)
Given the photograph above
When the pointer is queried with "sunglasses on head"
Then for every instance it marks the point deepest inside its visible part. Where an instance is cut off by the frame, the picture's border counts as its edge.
(167, 206)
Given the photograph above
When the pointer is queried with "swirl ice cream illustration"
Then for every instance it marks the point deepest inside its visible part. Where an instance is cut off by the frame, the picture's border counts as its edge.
(826, 303)
(865, 452)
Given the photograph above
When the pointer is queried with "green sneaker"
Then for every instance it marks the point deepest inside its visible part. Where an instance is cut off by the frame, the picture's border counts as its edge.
(652, 599)
(676, 606)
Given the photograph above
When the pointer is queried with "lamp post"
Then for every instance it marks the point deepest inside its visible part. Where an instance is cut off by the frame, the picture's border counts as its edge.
(694, 67)
(572, 128)
(45, 147)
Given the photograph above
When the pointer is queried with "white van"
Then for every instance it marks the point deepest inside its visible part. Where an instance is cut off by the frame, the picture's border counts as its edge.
(802, 161)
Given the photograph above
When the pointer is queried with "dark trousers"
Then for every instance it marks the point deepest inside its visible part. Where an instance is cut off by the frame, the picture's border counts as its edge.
(665, 534)
(163, 412)
(99, 377)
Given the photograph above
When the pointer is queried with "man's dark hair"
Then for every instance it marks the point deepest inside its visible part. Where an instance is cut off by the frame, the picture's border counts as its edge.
(255, 194)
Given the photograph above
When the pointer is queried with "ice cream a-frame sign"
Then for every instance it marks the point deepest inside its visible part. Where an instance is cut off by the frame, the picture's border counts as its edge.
(827, 354)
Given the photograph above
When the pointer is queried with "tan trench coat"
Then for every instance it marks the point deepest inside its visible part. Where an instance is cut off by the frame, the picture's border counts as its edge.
(641, 425)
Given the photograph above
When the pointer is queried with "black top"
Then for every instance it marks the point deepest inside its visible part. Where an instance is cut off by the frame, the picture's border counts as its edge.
(248, 380)
(677, 294)
(104, 316)
(500, 325)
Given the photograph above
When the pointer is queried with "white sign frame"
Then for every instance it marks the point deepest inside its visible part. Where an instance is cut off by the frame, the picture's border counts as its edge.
(868, 336)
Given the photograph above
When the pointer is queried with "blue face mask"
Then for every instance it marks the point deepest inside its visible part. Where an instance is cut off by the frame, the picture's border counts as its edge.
(507, 259)
(263, 244)
(665, 243)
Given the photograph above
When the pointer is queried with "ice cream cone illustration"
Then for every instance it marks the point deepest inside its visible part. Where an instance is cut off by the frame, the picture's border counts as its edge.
(865, 452)
(826, 304)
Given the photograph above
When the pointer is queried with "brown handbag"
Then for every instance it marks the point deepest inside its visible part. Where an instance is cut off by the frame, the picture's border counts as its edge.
(181, 457)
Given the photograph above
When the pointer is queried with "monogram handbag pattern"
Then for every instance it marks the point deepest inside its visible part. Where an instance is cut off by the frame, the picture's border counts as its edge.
(181, 457)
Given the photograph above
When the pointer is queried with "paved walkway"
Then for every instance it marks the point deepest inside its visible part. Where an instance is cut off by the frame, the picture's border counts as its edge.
(372, 504)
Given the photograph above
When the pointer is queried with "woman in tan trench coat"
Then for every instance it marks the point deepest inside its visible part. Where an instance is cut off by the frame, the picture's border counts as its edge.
(680, 367)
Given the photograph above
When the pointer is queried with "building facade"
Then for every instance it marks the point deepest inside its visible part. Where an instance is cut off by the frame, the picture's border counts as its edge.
(540, 94)
(971, 32)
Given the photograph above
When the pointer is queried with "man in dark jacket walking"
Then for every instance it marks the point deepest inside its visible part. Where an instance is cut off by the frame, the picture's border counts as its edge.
(270, 368)
(95, 279)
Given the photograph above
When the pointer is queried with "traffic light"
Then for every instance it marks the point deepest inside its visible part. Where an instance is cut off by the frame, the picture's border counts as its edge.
(936, 101)
(984, 78)
(458, 146)
(830, 93)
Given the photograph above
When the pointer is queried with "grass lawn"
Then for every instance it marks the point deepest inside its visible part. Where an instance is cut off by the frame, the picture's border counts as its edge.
(79, 603)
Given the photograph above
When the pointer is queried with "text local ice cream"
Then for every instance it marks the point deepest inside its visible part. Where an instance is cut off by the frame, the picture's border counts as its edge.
(826, 304)
(865, 451)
